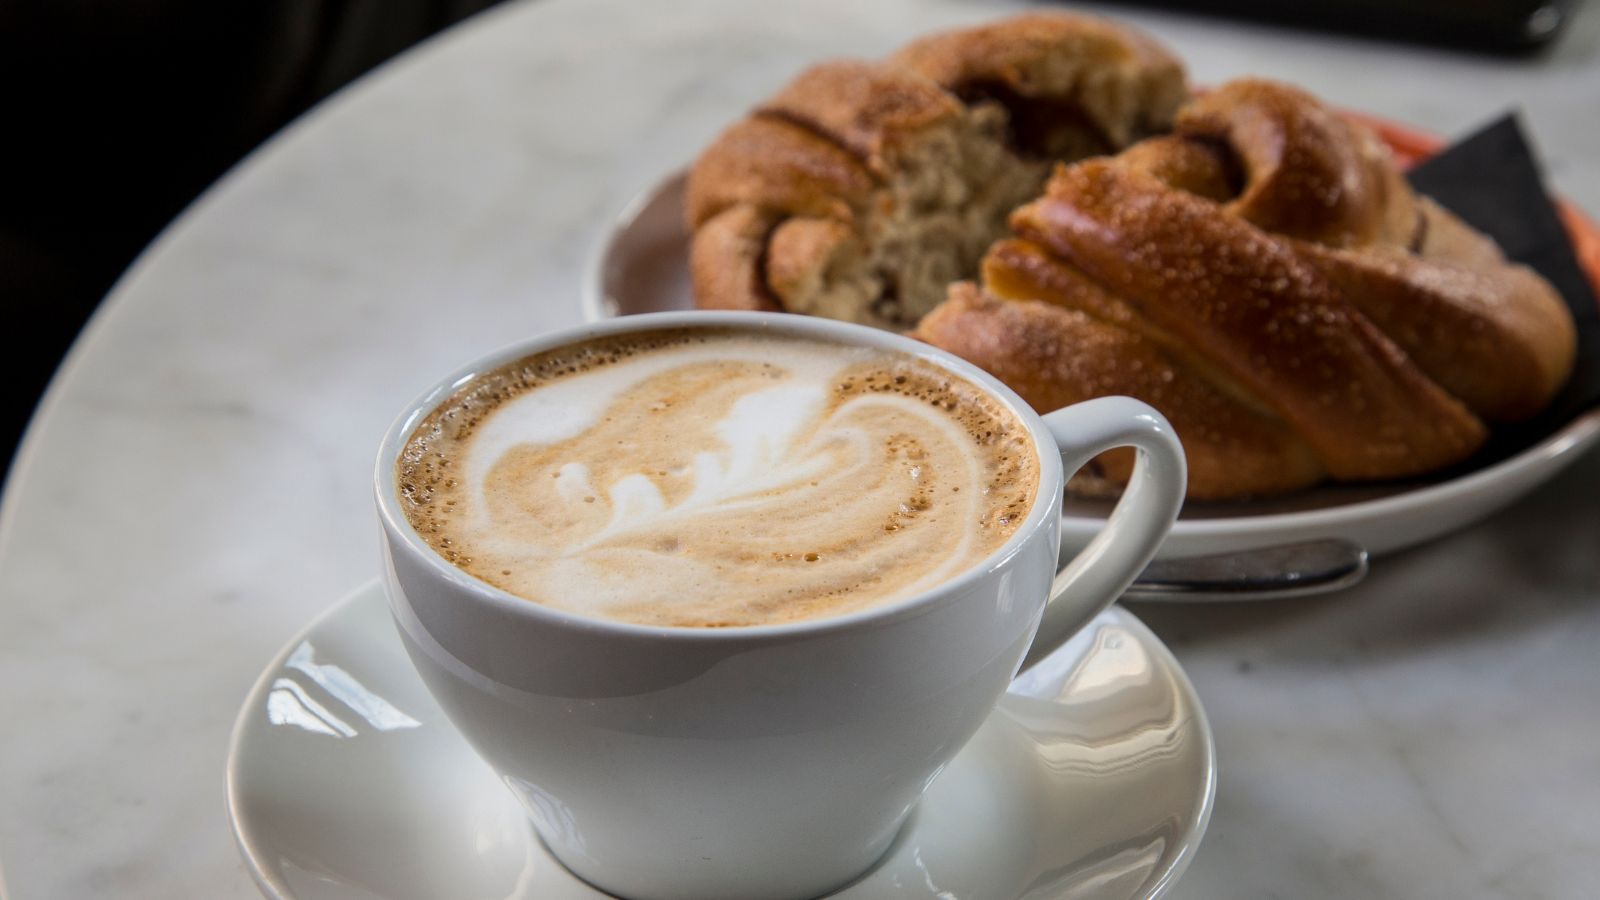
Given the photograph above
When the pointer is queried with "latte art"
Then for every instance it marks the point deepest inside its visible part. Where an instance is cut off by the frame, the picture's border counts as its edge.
(716, 479)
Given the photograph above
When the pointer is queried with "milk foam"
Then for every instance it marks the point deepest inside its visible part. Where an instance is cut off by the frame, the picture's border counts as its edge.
(729, 480)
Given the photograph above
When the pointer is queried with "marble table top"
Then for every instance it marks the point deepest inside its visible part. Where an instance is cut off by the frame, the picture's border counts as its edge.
(195, 487)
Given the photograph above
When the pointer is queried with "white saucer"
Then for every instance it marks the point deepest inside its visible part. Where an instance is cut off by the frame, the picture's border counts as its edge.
(642, 266)
(1093, 778)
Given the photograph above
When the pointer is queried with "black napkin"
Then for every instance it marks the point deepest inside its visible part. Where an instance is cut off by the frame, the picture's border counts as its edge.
(1492, 180)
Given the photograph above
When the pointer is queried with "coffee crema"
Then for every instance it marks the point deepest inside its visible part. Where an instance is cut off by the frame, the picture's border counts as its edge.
(713, 478)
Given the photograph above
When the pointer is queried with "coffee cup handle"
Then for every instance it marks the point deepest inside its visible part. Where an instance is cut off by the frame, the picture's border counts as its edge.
(1098, 575)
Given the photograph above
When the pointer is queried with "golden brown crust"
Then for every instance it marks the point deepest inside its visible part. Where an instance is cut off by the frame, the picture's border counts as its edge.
(725, 256)
(1018, 269)
(1054, 357)
(900, 181)
(801, 252)
(864, 107)
(1499, 339)
(777, 167)
(1021, 270)
(1308, 172)
(1122, 83)
(1202, 168)
(1252, 307)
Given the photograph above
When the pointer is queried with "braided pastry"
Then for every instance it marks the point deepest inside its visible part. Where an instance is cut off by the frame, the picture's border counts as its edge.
(862, 190)
(1264, 277)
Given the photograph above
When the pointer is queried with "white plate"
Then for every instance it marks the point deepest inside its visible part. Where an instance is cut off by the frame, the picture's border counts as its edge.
(1093, 778)
(642, 266)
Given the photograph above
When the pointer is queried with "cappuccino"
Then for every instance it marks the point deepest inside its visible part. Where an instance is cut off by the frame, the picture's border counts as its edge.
(714, 478)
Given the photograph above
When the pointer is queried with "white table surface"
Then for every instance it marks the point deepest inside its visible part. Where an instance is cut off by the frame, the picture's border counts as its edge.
(196, 487)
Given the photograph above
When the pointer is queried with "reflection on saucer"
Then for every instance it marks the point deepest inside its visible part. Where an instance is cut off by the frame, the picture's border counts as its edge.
(1093, 778)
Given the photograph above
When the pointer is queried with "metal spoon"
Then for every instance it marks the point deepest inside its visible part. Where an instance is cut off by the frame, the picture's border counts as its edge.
(1264, 573)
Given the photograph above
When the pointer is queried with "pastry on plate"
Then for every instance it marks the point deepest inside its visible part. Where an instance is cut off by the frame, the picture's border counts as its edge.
(1265, 277)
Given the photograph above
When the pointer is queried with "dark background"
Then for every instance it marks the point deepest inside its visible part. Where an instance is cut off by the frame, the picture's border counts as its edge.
(118, 113)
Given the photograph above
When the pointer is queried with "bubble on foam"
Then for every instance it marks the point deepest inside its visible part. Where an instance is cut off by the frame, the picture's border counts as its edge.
(572, 482)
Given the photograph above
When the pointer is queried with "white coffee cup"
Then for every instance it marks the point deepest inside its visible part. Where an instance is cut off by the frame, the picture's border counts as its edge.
(772, 761)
